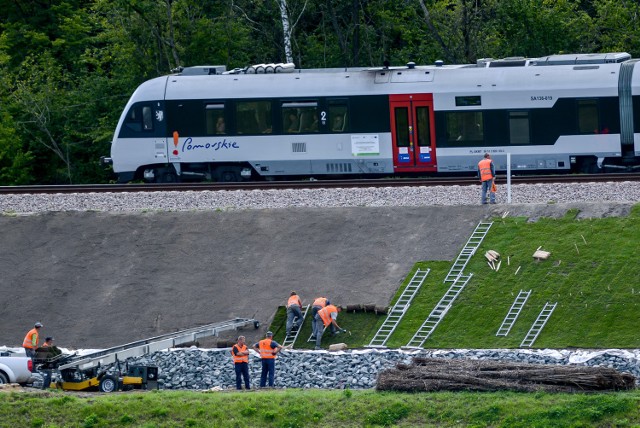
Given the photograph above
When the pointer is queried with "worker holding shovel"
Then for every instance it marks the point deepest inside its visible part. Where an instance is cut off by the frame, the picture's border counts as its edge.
(326, 317)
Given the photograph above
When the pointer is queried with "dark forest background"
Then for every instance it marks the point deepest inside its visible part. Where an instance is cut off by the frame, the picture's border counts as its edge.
(67, 67)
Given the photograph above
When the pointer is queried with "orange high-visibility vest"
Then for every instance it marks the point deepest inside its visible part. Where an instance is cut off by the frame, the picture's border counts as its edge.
(320, 301)
(294, 300)
(325, 314)
(265, 349)
(28, 339)
(239, 358)
(485, 169)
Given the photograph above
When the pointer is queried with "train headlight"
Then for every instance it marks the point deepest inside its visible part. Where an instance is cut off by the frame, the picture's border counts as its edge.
(572, 159)
(245, 173)
(149, 175)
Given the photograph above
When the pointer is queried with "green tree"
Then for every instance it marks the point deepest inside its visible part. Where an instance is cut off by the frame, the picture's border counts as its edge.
(617, 25)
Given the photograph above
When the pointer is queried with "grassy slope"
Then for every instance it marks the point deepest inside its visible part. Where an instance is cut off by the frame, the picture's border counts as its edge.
(299, 408)
(593, 273)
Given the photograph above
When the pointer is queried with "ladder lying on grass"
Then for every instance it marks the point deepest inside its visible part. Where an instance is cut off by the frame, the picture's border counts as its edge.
(538, 324)
(158, 343)
(295, 329)
(398, 310)
(438, 313)
(468, 251)
(513, 313)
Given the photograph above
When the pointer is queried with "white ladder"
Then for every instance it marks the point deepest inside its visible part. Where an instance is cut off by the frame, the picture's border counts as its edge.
(468, 251)
(290, 339)
(438, 313)
(513, 313)
(398, 310)
(538, 324)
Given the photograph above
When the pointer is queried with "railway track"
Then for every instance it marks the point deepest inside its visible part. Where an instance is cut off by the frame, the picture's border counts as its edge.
(309, 184)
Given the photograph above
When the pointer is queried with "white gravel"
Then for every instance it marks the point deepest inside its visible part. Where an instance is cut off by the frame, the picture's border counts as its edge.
(628, 192)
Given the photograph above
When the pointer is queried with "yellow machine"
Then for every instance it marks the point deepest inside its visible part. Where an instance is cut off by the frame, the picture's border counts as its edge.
(136, 377)
(102, 370)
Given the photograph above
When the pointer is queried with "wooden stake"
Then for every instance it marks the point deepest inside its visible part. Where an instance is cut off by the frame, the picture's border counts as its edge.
(585, 241)
(517, 270)
(578, 251)
(498, 267)
(508, 261)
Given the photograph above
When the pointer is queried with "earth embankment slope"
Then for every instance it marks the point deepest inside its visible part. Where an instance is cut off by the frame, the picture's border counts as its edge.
(100, 279)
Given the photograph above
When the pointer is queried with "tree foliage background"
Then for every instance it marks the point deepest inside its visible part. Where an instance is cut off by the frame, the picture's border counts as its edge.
(67, 67)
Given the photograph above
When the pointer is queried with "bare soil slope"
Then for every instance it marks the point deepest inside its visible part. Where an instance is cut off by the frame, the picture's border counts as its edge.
(98, 280)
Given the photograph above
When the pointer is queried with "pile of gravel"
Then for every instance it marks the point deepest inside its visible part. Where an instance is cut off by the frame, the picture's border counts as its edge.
(359, 197)
(199, 369)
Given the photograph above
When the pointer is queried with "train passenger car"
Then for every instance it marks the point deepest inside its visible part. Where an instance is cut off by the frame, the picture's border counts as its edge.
(559, 113)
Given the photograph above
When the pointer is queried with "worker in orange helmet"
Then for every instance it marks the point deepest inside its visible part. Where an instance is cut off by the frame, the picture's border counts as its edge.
(326, 317)
(294, 311)
(30, 342)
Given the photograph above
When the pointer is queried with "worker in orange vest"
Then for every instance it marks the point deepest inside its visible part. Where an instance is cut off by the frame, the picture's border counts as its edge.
(45, 356)
(240, 355)
(268, 349)
(487, 173)
(30, 342)
(326, 317)
(318, 304)
(294, 311)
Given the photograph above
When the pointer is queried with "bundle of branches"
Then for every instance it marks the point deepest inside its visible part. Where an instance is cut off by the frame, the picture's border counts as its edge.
(437, 374)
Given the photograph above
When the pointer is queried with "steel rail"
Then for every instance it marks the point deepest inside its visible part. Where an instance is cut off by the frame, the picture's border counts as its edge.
(309, 184)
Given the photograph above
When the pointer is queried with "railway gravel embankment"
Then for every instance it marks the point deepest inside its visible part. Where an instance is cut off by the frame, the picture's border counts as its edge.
(585, 194)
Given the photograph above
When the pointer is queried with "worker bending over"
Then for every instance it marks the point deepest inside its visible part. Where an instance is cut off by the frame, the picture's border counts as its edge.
(294, 311)
(318, 304)
(326, 317)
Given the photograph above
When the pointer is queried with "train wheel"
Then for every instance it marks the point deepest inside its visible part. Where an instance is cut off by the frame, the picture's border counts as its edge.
(167, 177)
(229, 176)
(3, 379)
(108, 383)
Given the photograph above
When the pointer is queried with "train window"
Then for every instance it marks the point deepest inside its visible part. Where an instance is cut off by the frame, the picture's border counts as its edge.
(464, 127)
(519, 127)
(468, 101)
(253, 117)
(214, 117)
(147, 118)
(588, 117)
(422, 126)
(403, 139)
(338, 117)
(139, 118)
(300, 116)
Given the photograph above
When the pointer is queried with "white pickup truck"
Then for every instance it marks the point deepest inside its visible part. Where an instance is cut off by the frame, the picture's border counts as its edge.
(15, 368)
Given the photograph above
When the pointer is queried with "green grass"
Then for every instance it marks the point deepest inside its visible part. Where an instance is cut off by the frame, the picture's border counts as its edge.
(593, 273)
(302, 408)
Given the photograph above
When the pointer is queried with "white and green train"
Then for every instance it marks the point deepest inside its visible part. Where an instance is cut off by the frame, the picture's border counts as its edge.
(560, 113)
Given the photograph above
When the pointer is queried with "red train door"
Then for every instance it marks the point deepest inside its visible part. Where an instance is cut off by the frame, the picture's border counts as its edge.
(412, 133)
